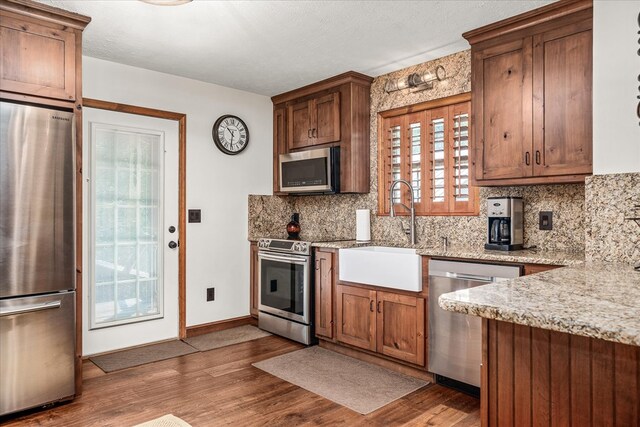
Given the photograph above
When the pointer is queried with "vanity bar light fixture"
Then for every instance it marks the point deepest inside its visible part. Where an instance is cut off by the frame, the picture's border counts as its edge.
(416, 81)
(167, 2)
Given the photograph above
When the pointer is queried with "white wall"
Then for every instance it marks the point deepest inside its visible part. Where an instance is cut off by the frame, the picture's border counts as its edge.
(217, 248)
(616, 66)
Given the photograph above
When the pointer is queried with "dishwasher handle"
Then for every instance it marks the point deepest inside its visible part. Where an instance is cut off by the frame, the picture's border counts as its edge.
(472, 277)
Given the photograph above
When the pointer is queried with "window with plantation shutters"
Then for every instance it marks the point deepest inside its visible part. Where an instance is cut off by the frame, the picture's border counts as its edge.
(427, 145)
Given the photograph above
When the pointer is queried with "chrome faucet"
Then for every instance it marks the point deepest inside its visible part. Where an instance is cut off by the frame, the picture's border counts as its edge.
(411, 232)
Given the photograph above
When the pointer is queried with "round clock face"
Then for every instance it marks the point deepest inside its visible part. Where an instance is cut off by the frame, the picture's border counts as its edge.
(230, 134)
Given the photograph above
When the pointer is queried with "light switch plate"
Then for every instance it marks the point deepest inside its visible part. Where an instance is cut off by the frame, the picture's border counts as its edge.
(195, 215)
(546, 220)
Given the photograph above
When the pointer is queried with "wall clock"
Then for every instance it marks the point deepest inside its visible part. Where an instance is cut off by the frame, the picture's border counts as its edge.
(230, 134)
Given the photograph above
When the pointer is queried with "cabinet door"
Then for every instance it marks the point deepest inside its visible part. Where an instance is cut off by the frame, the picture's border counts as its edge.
(562, 100)
(400, 327)
(325, 119)
(356, 316)
(299, 118)
(324, 293)
(253, 279)
(502, 93)
(37, 59)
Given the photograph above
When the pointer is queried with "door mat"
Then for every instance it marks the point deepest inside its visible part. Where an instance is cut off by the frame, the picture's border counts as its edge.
(358, 385)
(226, 337)
(141, 355)
(166, 421)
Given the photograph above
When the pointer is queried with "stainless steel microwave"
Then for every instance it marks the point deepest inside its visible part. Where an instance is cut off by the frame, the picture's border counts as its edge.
(308, 172)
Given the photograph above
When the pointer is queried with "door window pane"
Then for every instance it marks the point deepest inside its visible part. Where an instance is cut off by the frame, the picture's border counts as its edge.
(126, 279)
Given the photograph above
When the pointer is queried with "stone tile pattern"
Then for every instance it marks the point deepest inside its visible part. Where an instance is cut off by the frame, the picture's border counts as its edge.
(333, 217)
(609, 199)
(593, 299)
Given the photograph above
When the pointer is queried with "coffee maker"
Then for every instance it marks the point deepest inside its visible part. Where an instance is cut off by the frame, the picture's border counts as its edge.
(505, 223)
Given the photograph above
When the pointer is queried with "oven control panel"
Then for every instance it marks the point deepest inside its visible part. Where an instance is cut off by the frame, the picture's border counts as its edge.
(286, 246)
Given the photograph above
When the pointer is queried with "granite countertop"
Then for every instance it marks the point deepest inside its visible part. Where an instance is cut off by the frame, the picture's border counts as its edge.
(597, 300)
(530, 256)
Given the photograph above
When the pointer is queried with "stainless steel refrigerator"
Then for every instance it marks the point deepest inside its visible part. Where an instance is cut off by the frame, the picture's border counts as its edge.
(37, 256)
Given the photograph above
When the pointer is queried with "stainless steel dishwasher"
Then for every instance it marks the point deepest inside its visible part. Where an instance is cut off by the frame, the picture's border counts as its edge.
(455, 339)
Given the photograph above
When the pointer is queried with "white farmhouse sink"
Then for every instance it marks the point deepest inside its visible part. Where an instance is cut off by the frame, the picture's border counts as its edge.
(396, 268)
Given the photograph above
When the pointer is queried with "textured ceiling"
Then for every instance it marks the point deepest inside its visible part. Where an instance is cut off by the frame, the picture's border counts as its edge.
(269, 47)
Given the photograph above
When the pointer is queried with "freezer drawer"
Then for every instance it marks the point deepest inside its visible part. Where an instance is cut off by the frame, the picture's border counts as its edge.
(37, 350)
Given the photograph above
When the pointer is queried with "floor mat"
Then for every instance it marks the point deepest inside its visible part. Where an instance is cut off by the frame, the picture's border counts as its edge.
(358, 385)
(141, 355)
(226, 337)
(166, 421)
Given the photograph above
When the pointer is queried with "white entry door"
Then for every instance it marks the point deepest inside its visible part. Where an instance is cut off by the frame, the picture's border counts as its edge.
(130, 230)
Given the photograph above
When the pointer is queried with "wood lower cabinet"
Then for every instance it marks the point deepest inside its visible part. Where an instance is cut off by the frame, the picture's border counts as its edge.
(254, 280)
(537, 377)
(400, 327)
(532, 97)
(356, 316)
(538, 268)
(384, 322)
(325, 266)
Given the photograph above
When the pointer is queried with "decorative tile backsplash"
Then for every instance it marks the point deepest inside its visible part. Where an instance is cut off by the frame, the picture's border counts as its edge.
(333, 217)
(609, 199)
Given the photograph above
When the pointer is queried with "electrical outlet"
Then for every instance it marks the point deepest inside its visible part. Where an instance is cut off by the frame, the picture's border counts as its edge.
(211, 294)
(546, 220)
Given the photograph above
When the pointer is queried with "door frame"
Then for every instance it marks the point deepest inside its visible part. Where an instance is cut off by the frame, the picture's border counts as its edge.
(182, 195)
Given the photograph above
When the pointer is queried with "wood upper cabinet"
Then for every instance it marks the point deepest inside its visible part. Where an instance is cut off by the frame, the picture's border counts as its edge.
(563, 100)
(279, 142)
(37, 58)
(332, 113)
(502, 106)
(532, 97)
(314, 122)
(324, 280)
(385, 322)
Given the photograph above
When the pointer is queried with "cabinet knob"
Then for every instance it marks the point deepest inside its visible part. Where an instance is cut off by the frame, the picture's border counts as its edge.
(527, 159)
(379, 311)
(537, 157)
(371, 306)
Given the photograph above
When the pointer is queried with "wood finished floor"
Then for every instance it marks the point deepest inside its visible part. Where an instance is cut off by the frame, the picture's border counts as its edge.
(220, 387)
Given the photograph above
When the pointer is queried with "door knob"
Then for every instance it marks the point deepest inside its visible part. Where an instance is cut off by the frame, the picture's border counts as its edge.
(173, 244)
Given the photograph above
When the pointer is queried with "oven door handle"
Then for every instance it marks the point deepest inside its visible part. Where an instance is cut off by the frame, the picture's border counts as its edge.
(288, 258)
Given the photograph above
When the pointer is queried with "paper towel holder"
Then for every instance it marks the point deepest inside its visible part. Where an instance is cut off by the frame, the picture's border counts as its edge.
(363, 226)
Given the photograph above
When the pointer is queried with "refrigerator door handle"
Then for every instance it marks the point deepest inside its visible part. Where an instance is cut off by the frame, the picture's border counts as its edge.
(30, 308)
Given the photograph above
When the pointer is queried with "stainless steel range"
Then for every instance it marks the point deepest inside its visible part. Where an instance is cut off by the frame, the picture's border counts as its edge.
(285, 289)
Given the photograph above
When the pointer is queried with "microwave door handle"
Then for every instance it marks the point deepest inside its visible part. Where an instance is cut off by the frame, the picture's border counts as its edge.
(294, 259)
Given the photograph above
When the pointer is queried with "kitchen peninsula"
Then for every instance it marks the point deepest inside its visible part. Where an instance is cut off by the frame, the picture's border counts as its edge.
(559, 347)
